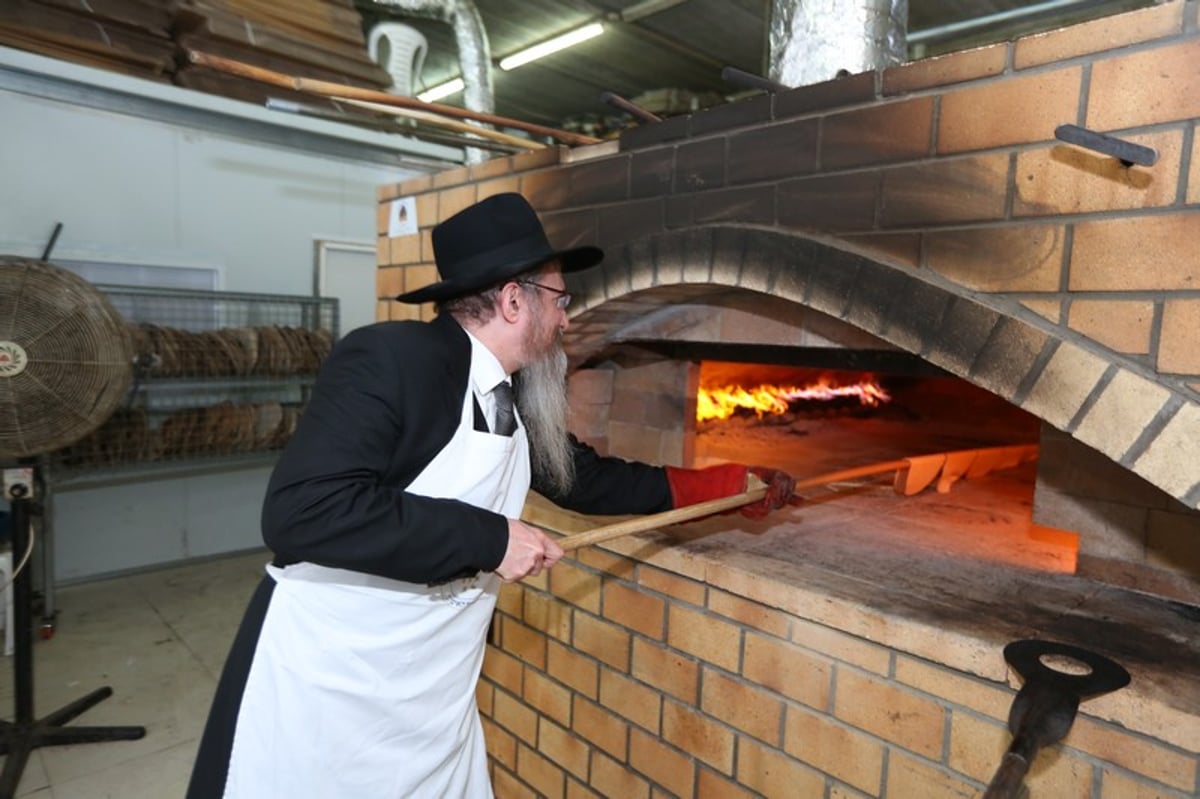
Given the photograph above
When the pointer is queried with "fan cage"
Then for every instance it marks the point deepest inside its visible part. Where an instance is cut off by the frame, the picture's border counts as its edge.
(217, 375)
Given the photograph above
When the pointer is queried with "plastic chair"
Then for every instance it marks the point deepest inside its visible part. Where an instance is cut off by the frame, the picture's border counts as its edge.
(399, 49)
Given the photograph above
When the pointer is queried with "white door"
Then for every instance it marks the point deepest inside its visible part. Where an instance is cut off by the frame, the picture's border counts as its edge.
(346, 270)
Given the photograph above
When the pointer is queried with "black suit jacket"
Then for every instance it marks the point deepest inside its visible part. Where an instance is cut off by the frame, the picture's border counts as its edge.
(386, 401)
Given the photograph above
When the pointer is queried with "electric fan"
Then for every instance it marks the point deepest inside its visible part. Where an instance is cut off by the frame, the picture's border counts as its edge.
(65, 366)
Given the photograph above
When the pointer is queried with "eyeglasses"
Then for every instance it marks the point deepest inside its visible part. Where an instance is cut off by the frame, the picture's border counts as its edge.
(561, 301)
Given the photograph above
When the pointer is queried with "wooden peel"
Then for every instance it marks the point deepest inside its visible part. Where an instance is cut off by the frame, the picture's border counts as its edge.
(326, 88)
(913, 475)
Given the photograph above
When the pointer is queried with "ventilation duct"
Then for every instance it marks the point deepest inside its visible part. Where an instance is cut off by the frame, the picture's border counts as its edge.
(816, 40)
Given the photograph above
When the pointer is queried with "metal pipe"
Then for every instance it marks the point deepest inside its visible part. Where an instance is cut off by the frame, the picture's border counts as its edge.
(926, 35)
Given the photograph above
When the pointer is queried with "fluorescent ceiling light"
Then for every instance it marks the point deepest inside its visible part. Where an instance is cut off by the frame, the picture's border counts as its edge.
(568, 39)
(442, 90)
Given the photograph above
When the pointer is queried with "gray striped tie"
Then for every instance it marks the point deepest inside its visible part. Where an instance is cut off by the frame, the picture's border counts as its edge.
(506, 420)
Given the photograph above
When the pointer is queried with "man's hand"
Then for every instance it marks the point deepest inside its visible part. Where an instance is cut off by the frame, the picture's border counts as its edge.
(780, 488)
(529, 552)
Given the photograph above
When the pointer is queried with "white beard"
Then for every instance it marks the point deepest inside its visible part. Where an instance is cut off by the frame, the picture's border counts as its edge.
(541, 389)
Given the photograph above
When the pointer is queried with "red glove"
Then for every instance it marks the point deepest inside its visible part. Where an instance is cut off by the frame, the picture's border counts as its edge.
(780, 487)
(690, 486)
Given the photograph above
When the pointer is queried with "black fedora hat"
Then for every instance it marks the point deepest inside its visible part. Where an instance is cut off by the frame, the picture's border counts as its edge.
(492, 241)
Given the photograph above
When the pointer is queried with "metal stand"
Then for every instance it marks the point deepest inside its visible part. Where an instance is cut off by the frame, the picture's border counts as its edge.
(20, 737)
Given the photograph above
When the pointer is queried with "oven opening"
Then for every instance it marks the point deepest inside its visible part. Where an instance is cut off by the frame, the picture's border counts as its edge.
(819, 421)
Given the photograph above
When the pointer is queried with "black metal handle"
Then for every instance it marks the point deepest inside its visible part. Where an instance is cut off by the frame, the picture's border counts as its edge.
(1126, 152)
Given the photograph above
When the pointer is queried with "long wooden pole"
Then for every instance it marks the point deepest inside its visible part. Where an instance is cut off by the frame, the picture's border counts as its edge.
(655, 520)
(330, 89)
(914, 474)
(443, 122)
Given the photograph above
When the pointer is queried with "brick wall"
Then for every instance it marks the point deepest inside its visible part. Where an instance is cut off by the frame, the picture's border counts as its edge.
(612, 677)
(946, 171)
(930, 207)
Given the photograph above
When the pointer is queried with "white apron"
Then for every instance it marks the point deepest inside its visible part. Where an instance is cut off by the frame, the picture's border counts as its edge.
(363, 687)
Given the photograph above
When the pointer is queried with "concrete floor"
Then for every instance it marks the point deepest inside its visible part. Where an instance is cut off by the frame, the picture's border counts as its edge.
(159, 639)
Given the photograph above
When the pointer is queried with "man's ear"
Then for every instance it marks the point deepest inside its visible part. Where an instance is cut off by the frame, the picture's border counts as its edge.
(510, 300)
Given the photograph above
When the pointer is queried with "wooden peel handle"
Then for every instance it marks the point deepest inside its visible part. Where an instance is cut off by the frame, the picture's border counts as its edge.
(652, 522)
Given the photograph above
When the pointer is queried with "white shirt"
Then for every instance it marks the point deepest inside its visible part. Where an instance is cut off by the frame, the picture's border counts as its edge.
(486, 373)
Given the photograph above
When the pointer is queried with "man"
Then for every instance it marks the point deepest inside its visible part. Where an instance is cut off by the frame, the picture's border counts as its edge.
(393, 516)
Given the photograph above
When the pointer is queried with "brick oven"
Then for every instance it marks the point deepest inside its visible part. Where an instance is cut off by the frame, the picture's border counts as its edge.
(919, 223)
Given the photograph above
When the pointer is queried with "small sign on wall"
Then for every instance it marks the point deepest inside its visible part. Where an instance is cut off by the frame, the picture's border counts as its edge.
(402, 217)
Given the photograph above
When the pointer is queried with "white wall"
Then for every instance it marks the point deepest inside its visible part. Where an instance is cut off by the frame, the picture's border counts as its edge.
(207, 182)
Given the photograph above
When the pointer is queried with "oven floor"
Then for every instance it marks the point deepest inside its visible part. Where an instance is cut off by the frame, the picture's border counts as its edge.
(969, 560)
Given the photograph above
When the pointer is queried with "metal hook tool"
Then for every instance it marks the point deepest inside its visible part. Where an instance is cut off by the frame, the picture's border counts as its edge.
(1045, 707)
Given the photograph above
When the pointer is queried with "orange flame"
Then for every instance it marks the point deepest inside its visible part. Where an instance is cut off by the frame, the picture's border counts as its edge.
(721, 403)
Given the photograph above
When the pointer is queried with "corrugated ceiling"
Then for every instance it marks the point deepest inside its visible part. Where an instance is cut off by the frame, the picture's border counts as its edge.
(676, 45)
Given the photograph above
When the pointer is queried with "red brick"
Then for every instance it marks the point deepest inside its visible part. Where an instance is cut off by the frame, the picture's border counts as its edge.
(944, 70)
(524, 642)
(1000, 113)
(613, 779)
(577, 671)
(427, 210)
(1180, 332)
(1017, 258)
(1123, 325)
(1193, 185)
(493, 167)
(501, 745)
(1064, 179)
(639, 612)
(666, 669)
(889, 132)
(1107, 33)
(563, 748)
(631, 699)
(389, 281)
(511, 714)
(771, 773)
(547, 696)
(451, 177)
(712, 786)
(603, 641)
(503, 669)
(707, 637)
(692, 731)
(741, 704)
(1142, 253)
(546, 778)
(604, 729)
(575, 585)
(1145, 87)
(847, 754)
(945, 191)
(507, 786)
(889, 712)
(663, 764)
(511, 599)
(451, 201)
(749, 613)
(787, 670)
(547, 614)
(908, 776)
